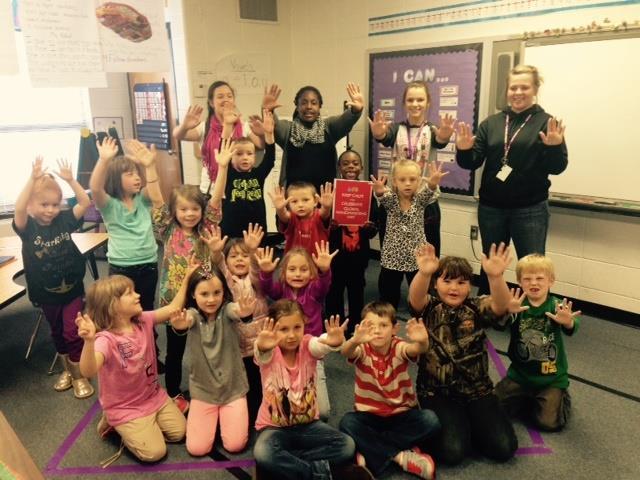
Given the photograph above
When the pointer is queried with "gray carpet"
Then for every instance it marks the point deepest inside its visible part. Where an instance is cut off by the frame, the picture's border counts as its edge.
(600, 441)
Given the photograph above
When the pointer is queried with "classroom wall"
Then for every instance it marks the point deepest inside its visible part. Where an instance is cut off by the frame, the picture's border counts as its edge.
(326, 44)
(596, 255)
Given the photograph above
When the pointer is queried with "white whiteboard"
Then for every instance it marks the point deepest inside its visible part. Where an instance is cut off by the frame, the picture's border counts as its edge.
(594, 87)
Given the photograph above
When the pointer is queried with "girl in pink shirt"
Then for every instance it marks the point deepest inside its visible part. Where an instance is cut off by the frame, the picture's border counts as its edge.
(120, 349)
(306, 280)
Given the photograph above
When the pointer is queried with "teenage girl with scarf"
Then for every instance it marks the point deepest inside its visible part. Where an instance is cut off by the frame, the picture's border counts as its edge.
(223, 121)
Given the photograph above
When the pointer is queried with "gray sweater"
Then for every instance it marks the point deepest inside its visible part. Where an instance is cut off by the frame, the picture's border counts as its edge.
(217, 374)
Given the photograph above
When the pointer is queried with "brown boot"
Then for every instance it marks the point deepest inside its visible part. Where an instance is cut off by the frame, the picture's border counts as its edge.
(64, 380)
(82, 387)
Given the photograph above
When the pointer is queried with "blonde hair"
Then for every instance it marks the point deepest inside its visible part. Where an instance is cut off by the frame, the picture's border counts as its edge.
(102, 297)
(404, 163)
(287, 258)
(526, 69)
(535, 263)
(44, 183)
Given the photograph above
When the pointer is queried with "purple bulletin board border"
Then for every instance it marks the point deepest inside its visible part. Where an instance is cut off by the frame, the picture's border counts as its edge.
(409, 57)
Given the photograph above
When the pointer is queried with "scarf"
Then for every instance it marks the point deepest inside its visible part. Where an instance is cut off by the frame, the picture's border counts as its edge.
(211, 145)
(301, 134)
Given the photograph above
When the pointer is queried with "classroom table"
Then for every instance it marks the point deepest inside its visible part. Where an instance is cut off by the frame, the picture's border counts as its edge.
(10, 291)
(14, 455)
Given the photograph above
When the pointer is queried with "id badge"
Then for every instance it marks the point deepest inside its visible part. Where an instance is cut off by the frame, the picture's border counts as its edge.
(504, 173)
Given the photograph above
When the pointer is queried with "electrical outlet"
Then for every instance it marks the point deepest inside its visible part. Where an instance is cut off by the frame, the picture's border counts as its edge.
(473, 233)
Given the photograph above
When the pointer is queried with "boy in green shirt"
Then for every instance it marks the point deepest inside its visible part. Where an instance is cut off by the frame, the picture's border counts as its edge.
(538, 375)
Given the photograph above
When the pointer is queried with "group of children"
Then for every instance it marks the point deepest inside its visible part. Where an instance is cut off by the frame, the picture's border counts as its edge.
(251, 363)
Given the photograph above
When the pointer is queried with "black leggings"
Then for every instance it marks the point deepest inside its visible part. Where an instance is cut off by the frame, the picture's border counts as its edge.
(481, 423)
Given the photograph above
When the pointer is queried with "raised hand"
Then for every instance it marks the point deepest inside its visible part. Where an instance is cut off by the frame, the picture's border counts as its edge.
(426, 258)
(498, 260)
(363, 332)
(266, 262)
(335, 331)
(255, 124)
(140, 154)
(417, 332)
(108, 149)
(268, 123)
(277, 198)
(268, 337)
(446, 128)
(193, 117)
(253, 236)
(179, 320)
(229, 114)
(270, 97)
(65, 170)
(86, 327)
(464, 137)
(37, 168)
(322, 258)
(435, 174)
(357, 100)
(326, 195)
(213, 238)
(246, 304)
(564, 314)
(379, 184)
(515, 303)
(555, 132)
(193, 265)
(379, 125)
(227, 150)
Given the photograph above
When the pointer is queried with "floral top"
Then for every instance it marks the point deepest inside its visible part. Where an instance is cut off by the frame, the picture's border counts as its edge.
(178, 247)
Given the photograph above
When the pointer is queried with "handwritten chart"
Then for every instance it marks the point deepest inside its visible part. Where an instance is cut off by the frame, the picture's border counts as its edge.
(61, 41)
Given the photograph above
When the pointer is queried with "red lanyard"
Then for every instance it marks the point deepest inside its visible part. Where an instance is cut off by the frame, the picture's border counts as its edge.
(507, 142)
(413, 150)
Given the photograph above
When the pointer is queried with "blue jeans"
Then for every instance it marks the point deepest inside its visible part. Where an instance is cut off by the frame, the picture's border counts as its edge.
(527, 227)
(380, 439)
(302, 451)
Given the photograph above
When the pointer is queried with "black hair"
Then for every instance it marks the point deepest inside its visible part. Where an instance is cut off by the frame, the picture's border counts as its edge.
(350, 150)
(210, 110)
(307, 88)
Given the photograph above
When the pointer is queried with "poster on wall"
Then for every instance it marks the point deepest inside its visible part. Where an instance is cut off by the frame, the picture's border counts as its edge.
(8, 54)
(133, 36)
(152, 125)
(453, 76)
(62, 44)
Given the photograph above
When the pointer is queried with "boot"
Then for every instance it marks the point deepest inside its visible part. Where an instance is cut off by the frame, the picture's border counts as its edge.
(64, 380)
(82, 387)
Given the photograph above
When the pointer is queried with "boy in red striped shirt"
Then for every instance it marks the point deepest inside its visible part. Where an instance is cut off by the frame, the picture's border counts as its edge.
(388, 424)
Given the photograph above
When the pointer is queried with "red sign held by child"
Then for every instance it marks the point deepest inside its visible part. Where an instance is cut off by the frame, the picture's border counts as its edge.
(351, 202)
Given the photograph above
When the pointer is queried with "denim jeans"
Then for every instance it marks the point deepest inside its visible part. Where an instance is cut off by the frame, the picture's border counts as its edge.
(526, 227)
(302, 451)
(380, 439)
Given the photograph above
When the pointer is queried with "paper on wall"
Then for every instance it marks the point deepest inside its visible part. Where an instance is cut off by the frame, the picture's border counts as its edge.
(61, 42)
(8, 55)
(133, 36)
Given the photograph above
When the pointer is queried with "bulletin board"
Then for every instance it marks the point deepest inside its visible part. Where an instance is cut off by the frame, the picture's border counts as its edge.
(152, 125)
(453, 76)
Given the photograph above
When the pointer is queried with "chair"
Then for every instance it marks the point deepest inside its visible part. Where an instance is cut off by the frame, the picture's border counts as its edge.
(34, 334)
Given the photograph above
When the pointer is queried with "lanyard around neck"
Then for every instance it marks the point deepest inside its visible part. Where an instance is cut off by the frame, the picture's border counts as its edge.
(412, 149)
(508, 142)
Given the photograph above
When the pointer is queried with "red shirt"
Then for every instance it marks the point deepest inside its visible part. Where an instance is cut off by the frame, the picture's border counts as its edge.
(304, 232)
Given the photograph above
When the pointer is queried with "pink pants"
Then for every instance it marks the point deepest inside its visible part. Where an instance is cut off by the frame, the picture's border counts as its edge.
(202, 424)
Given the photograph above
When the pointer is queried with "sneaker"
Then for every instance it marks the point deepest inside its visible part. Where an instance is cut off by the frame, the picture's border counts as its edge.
(419, 463)
(182, 403)
(104, 429)
(351, 472)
